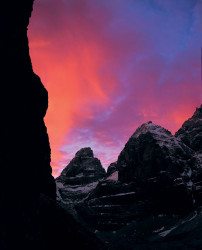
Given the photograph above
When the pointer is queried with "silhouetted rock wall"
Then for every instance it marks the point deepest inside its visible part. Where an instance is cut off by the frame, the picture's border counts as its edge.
(30, 217)
(24, 100)
(25, 152)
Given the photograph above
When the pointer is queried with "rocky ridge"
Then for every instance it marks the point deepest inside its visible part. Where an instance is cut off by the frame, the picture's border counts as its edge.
(154, 190)
(151, 151)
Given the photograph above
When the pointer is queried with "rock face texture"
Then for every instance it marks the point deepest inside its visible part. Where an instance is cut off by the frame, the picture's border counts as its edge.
(191, 134)
(84, 168)
(153, 175)
(112, 168)
(80, 176)
(191, 131)
(152, 151)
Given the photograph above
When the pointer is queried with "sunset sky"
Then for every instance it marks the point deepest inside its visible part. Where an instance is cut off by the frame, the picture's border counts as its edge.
(111, 65)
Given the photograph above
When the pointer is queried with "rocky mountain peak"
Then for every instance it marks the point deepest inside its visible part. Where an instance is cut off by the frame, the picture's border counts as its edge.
(80, 176)
(191, 131)
(151, 128)
(83, 168)
(151, 150)
(154, 189)
(85, 153)
(198, 113)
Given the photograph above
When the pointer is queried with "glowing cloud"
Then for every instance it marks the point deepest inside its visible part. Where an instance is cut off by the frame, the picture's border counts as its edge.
(111, 65)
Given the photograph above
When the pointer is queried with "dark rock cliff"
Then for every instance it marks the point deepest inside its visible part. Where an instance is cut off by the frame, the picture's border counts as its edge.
(25, 151)
(30, 217)
(24, 101)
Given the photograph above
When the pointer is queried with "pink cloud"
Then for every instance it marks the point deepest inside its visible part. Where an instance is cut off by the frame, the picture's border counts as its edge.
(110, 66)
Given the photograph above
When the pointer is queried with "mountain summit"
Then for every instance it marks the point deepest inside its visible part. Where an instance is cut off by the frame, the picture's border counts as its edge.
(83, 168)
(150, 151)
(79, 177)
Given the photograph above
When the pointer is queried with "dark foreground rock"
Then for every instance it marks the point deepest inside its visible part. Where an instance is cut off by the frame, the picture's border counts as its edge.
(25, 152)
(161, 232)
(25, 155)
(29, 215)
(62, 231)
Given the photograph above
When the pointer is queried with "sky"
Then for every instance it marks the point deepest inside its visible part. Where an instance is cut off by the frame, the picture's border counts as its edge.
(111, 65)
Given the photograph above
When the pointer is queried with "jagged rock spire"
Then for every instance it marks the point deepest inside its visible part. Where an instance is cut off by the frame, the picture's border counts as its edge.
(191, 131)
(83, 168)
